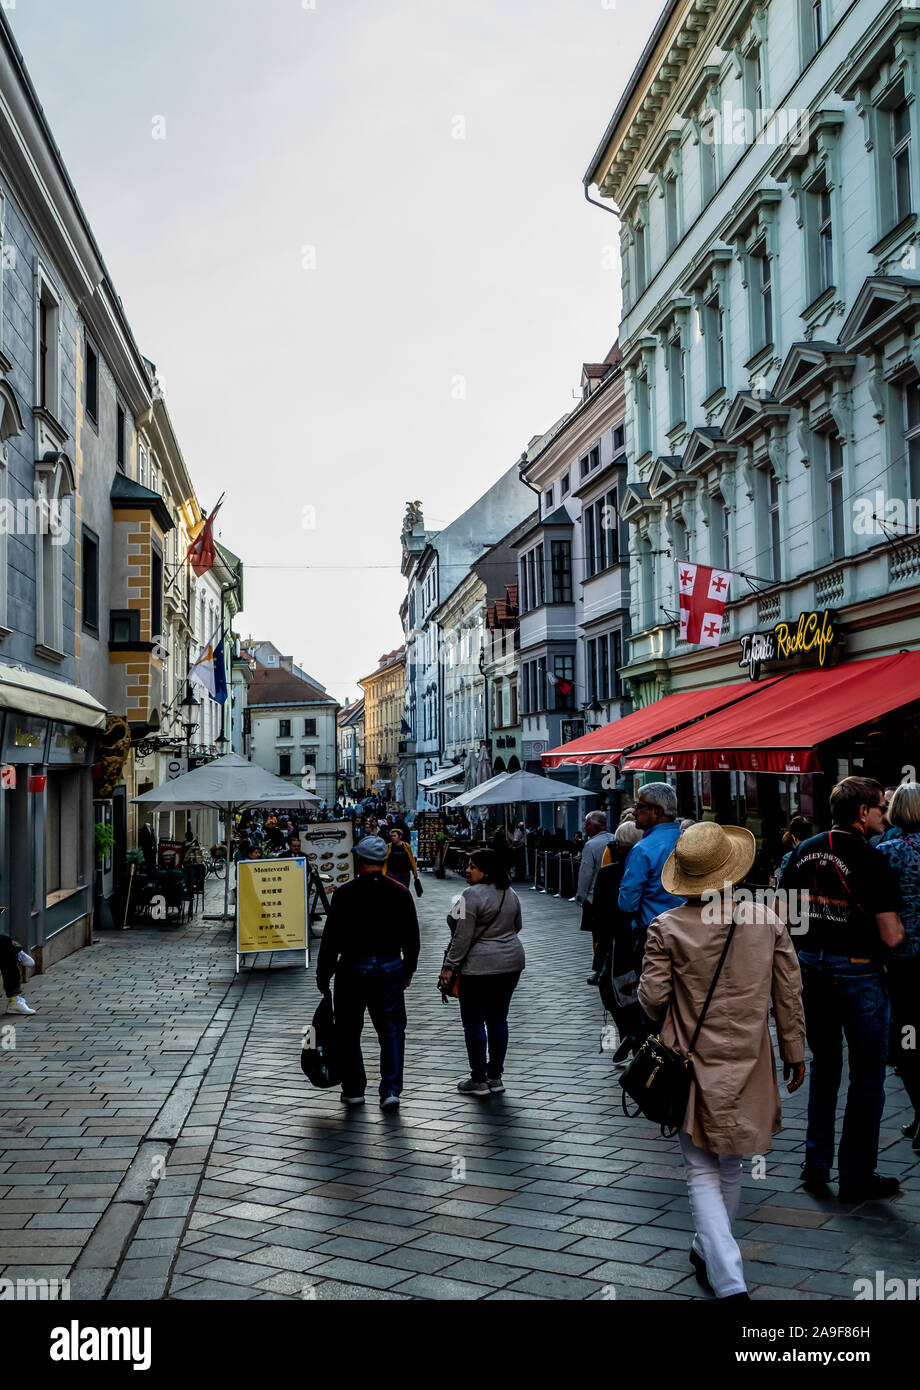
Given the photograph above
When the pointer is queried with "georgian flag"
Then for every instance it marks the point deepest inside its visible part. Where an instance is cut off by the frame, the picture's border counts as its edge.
(703, 595)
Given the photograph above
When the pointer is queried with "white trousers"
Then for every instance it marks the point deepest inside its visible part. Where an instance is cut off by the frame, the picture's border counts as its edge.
(714, 1185)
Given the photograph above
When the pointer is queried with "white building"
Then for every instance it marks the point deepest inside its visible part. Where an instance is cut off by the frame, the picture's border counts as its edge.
(764, 161)
(293, 727)
(434, 563)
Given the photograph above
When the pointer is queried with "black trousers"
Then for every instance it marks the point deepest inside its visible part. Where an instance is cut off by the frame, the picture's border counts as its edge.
(9, 967)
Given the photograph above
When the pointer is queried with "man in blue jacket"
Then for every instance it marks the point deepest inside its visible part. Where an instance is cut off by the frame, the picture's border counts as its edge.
(642, 896)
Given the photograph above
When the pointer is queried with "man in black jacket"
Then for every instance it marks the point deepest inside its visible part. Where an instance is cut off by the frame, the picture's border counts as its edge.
(371, 944)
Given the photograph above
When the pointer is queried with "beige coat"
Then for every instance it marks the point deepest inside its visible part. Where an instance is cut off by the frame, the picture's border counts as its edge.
(734, 1101)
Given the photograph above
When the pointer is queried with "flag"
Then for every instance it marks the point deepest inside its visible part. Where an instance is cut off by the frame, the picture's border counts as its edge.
(703, 595)
(220, 673)
(204, 670)
(404, 729)
(202, 552)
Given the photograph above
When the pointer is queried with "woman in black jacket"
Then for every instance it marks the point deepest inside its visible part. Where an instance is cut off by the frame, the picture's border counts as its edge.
(615, 938)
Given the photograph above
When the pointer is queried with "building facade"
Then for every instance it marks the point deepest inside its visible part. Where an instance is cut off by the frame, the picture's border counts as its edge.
(351, 749)
(764, 161)
(434, 564)
(573, 580)
(293, 728)
(384, 726)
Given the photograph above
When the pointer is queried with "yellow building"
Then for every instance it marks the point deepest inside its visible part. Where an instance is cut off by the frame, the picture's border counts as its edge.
(384, 709)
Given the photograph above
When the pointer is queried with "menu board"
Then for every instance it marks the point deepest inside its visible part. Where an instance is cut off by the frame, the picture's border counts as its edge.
(328, 848)
(429, 825)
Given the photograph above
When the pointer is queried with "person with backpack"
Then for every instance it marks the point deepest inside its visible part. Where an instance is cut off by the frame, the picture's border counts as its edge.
(485, 922)
(853, 921)
(708, 983)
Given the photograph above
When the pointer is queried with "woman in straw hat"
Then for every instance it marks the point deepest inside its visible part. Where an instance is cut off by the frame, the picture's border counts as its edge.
(734, 1105)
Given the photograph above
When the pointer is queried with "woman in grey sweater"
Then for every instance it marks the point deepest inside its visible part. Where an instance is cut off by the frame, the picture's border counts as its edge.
(484, 923)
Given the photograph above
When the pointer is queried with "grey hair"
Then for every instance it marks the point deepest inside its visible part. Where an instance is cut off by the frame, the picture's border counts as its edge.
(662, 795)
(628, 834)
(904, 807)
(597, 818)
(685, 824)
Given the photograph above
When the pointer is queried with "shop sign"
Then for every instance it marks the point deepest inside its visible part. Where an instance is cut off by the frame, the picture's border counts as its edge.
(271, 910)
(24, 738)
(812, 634)
(572, 729)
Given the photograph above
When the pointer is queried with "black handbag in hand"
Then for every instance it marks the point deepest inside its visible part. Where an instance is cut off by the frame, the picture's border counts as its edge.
(658, 1077)
(419, 890)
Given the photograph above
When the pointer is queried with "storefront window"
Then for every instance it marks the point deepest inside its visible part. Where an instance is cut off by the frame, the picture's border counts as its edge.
(24, 738)
(63, 833)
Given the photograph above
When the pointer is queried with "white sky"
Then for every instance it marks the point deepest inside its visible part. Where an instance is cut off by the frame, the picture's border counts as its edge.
(332, 127)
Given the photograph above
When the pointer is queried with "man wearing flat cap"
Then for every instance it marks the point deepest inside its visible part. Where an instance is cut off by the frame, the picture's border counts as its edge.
(370, 944)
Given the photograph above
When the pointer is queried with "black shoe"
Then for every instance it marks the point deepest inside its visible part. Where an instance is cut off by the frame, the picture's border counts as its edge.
(699, 1266)
(736, 1298)
(623, 1050)
(592, 978)
(912, 1130)
(875, 1188)
(815, 1180)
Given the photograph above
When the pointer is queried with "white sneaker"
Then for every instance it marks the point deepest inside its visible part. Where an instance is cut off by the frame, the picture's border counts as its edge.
(25, 959)
(18, 1006)
(352, 1100)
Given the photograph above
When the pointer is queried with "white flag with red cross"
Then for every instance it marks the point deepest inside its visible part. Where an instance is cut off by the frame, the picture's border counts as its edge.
(703, 596)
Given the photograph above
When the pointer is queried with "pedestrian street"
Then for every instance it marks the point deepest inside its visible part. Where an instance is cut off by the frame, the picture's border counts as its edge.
(158, 1140)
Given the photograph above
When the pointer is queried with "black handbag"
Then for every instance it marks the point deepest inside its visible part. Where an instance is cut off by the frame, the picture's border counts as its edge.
(658, 1077)
(417, 884)
(319, 1055)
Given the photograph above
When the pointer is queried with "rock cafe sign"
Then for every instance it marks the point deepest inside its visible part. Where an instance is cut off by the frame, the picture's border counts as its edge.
(812, 633)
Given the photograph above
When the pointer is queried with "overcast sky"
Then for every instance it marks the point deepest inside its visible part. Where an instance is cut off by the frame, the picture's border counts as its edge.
(312, 258)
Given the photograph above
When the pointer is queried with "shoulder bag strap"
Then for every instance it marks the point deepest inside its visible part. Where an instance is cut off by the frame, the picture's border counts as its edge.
(712, 987)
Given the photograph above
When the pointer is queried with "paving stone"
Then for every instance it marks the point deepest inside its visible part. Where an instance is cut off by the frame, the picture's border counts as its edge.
(352, 1271)
(419, 1261)
(436, 1286)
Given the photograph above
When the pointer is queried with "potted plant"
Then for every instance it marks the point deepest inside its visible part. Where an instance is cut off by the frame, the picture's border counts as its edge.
(103, 841)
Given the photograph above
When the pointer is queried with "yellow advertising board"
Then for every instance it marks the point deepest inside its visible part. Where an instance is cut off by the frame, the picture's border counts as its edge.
(271, 905)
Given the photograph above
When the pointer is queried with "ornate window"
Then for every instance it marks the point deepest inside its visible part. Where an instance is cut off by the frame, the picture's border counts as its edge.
(755, 234)
(811, 166)
(883, 77)
(54, 487)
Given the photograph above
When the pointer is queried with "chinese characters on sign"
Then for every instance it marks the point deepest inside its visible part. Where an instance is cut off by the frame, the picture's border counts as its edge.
(271, 906)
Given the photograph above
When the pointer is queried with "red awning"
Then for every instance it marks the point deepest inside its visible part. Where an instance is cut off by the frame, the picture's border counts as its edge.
(607, 745)
(779, 728)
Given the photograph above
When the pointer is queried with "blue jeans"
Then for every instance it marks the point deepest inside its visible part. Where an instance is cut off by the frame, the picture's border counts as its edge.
(845, 999)
(378, 986)
(484, 1004)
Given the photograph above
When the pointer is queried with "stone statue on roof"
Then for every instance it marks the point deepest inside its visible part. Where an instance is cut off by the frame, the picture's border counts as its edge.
(413, 517)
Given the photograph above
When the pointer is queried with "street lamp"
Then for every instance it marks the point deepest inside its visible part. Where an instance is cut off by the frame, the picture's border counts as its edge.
(189, 723)
(221, 744)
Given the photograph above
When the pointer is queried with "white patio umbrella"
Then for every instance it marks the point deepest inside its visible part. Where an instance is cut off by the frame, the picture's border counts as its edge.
(230, 784)
(517, 786)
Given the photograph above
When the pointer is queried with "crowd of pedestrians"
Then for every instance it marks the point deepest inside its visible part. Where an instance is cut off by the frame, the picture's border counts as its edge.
(683, 958)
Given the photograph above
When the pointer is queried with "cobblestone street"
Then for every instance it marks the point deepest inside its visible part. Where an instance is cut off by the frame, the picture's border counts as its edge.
(158, 1140)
